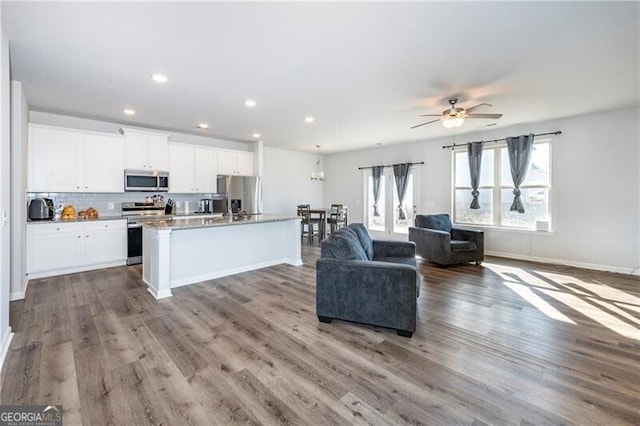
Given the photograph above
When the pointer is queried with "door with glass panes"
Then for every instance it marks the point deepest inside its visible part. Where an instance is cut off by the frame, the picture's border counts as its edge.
(388, 224)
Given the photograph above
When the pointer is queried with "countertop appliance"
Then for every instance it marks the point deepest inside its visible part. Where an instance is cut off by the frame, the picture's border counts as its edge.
(169, 207)
(246, 189)
(41, 209)
(136, 214)
(205, 206)
(146, 181)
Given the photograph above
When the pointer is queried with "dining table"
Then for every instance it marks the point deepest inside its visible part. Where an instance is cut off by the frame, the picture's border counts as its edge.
(321, 214)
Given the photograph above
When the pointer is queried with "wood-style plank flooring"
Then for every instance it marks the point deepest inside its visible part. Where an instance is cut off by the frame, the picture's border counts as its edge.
(506, 343)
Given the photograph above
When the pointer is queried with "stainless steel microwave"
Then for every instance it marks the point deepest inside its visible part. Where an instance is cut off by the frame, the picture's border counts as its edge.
(146, 180)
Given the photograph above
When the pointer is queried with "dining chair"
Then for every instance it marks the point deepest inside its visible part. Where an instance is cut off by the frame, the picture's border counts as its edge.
(304, 210)
(336, 217)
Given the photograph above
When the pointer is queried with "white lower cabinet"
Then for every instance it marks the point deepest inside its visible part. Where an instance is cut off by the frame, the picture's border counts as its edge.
(60, 248)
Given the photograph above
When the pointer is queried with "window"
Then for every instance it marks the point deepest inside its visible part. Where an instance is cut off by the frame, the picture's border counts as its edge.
(389, 222)
(496, 188)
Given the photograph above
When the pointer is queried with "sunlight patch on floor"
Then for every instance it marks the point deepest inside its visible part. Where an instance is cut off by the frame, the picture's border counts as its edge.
(527, 294)
(595, 313)
(595, 300)
(596, 288)
(628, 306)
(615, 309)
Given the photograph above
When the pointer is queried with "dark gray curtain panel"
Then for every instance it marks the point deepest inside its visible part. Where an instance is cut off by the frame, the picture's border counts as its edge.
(474, 150)
(519, 148)
(376, 171)
(401, 173)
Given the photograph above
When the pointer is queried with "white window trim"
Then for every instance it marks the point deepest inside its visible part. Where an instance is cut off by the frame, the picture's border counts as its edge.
(389, 185)
(497, 166)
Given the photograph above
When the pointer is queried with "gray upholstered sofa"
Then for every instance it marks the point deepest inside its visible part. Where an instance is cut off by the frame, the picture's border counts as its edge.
(439, 242)
(367, 281)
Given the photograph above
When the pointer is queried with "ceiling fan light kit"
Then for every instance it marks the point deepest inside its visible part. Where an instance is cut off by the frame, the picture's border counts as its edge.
(455, 116)
(451, 123)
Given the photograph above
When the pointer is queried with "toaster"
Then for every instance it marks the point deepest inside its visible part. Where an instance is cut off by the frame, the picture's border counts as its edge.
(41, 209)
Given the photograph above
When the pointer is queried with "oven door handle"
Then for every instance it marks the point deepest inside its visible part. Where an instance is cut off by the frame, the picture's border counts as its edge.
(134, 225)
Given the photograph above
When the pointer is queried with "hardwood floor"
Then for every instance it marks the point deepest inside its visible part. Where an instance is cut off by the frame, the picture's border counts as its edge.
(505, 343)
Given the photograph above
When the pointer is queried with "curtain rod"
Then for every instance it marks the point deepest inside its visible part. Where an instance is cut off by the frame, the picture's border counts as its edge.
(498, 140)
(390, 165)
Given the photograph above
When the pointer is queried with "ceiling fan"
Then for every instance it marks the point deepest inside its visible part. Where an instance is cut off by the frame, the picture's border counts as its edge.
(455, 116)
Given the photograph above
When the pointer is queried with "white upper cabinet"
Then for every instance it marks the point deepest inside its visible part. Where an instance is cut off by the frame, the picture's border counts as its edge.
(192, 169)
(206, 169)
(67, 160)
(238, 163)
(103, 163)
(146, 150)
(181, 175)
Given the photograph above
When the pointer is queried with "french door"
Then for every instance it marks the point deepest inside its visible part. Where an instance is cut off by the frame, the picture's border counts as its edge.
(388, 223)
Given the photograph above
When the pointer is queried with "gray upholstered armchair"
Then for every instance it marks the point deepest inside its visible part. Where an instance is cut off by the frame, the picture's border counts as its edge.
(367, 281)
(439, 242)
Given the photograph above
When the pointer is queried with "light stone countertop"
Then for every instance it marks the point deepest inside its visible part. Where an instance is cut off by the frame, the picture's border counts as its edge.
(208, 222)
(43, 222)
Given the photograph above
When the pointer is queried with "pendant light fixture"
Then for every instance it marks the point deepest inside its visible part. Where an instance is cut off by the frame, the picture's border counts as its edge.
(318, 174)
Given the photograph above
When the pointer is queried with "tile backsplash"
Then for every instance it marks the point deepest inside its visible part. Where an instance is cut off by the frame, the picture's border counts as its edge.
(110, 204)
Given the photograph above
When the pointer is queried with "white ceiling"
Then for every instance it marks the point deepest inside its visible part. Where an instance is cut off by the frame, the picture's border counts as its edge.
(365, 71)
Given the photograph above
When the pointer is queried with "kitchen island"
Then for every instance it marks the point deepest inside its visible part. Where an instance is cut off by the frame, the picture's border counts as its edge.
(179, 252)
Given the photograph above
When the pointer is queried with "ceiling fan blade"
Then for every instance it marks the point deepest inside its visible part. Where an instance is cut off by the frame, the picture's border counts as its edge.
(430, 115)
(428, 122)
(476, 106)
(484, 115)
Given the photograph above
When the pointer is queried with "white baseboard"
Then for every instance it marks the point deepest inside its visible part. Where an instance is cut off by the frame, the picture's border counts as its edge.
(19, 295)
(583, 265)
(4, 350)
(233, 271)
(45, 274)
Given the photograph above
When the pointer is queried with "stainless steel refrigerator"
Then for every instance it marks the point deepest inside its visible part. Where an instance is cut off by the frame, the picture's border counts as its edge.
(243, 193)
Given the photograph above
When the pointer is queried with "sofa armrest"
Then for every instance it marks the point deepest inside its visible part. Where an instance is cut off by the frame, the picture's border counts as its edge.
(431, 244)
(389, 248)
(470, 235)
(432, 237)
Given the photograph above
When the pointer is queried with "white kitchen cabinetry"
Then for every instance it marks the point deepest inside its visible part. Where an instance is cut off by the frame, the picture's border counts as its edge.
(206, 169)
(67, 160)
(146, 150)
(192, 169)
(103, 165)
(239, 163)
(61, 248)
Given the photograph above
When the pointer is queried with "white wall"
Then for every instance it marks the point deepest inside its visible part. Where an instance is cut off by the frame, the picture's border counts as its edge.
(595, 180)
(345, 180)
(19, 135)
(287, 181)
(5, 330)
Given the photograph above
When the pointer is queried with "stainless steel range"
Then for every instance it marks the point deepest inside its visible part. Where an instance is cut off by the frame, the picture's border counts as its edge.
(136, 214)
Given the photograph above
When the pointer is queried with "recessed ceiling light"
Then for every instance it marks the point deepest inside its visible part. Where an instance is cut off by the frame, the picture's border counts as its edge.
(129, 111)
(256, 135)
(159, 78)
(309, 119)
(203, 126)
(250, 103)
